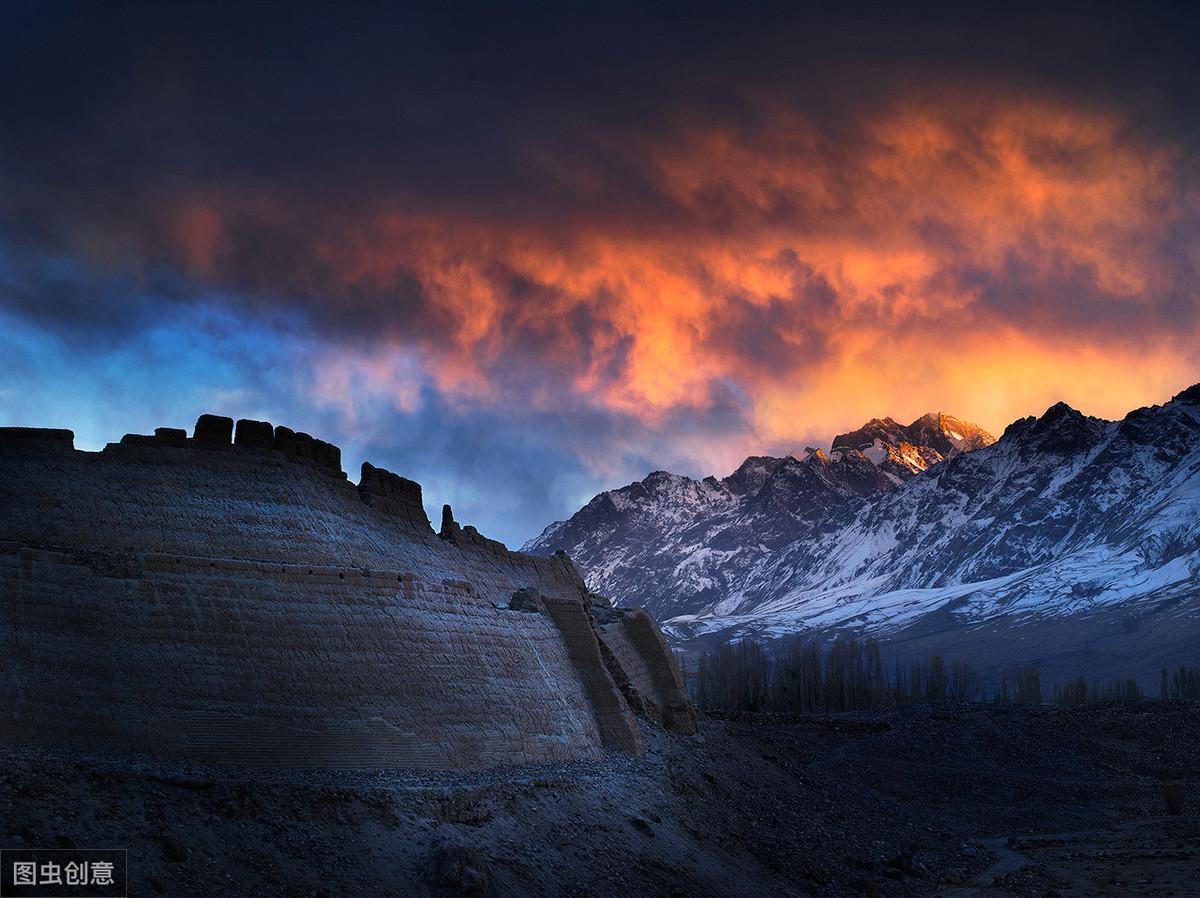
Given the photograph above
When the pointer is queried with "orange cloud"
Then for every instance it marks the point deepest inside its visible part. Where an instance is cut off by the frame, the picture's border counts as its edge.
(982, 256)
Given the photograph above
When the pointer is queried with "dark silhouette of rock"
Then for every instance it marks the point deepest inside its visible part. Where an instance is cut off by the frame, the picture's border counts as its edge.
(138, 439)
(303, 445)
(1191, 395)
(393, 495)
(327, 455)
(449, 525)
(171, 436)
(285, 440)
(39, 435)
(254, 434)
(213, 430)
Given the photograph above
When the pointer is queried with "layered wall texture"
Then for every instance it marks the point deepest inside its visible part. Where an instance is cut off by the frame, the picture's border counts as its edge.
(234, 598)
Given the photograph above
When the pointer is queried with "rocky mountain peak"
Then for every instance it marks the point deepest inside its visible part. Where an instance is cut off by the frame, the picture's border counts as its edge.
(904, 451)
(752, 474)
(815, 456)
(1060, 429)
(1069, 518)
(1191, 395)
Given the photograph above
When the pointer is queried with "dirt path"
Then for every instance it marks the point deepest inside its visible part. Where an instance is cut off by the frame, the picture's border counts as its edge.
(1007, 862)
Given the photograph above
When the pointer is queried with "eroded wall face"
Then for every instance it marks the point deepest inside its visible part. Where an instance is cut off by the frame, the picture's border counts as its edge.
(643, 660)
(235, 606)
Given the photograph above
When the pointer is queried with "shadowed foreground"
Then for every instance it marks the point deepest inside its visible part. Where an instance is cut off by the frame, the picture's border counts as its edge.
(918, 801)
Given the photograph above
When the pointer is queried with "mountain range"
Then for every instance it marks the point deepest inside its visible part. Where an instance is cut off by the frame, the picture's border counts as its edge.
(1071, 541)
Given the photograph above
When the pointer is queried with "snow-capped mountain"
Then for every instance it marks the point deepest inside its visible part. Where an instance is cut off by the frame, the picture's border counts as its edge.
(1070, 540)
(903, 451)
(682, 546)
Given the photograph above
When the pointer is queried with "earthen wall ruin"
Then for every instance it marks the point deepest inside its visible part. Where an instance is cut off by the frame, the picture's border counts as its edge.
(233, 597)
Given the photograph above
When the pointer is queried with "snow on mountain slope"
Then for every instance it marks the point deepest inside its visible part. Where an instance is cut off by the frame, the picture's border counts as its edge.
(683, 546)
(903, 452)
(1065, 517)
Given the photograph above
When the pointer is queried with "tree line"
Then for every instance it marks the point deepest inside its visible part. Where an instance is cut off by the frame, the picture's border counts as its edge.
(1180, 685)
(849, 675)
(799, 675)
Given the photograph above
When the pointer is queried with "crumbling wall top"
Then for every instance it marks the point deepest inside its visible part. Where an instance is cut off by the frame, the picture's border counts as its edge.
(32, 435)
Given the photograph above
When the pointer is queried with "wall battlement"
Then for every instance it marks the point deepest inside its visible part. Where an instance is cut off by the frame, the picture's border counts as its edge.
(306, 620)
(393, 495)
(219, 432)
(36, 437)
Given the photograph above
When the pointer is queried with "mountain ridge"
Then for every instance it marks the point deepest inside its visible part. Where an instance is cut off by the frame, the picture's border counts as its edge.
(1065, 517)
(762, 505)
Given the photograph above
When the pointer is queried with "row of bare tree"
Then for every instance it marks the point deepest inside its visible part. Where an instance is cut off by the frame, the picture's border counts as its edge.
(1181, 685)
(849, 674)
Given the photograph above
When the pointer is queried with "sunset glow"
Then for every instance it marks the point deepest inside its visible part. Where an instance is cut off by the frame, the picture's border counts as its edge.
(624, 293)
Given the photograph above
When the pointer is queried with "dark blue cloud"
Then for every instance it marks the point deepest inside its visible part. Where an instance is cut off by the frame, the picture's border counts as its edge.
(304, 126)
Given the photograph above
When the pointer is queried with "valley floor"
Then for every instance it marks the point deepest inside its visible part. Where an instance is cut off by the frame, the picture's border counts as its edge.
(932, 801)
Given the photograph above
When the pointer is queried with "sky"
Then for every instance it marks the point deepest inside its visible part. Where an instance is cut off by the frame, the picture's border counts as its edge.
(523, 255)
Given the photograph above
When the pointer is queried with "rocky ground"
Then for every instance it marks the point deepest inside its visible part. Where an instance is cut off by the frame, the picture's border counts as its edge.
(950, 802)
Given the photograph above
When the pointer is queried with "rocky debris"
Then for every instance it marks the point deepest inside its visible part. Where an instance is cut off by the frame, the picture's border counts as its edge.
(970, 802)
(596, 600)
(457, 871)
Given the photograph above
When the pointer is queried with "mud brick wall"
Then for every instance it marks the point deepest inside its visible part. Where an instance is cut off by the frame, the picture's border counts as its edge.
(235, 598)
(643, 657)
(612, 714)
